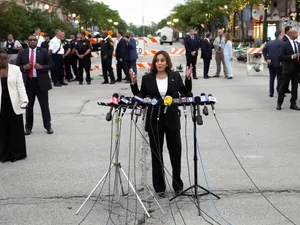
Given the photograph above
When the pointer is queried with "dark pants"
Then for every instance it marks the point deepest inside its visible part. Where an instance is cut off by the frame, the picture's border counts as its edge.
(74, 64)
(275, 72)
(57, 74)
(85, 64)
(206, 64)
(67, 63)
(132, 65)
(192, 60)
(174, 147)
(287, 77)
(122, 66)
(33, 91)
(107, 68)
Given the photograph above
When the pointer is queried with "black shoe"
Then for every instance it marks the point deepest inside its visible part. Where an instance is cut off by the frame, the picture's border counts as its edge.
(118, 80)
(278, 107)
(295, 107)
(196, 78)
(216, 75)
(178, 192)
(88, 83)
(80, 83)
(104, 82)
(27, 132)
(206, 77)
(49, 131)
(112, 82)
(271, 96)
(57, 85)
(161, 194)
(64, 84)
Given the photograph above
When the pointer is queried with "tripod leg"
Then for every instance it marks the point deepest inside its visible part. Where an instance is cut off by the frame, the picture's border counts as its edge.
(94, 189)
(156, 201)
(135, 192)
(209, 192)
(121, 183)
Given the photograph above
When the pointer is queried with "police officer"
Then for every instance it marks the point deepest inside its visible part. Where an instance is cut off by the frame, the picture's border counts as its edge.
(83, 51)
(107, 48)
(45, 44)
(12, 48)
(73, 56)
(67, 48)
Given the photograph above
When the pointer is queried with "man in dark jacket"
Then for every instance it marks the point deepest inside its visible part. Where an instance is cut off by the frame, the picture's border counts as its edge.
(132, 54)
(107, 48)
(271, 53)
(192, 45)
(206, 53)
(122, 57)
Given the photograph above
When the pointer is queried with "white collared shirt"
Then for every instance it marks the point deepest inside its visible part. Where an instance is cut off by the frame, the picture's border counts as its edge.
(34, 60)
(56, 46)
(40, 40)
(293, 45)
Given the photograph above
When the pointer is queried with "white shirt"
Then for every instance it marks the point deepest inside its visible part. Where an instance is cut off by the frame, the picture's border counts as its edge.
(40, 40)
(162, 85)
(34, 60)
(17, 44)
(293, 45)
(56, 46)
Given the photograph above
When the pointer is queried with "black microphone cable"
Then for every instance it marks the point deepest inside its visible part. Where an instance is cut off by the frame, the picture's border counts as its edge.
(247, 174)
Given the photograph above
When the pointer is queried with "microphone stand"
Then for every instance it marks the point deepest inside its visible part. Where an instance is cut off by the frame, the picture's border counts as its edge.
(118, 168)
(196, 185)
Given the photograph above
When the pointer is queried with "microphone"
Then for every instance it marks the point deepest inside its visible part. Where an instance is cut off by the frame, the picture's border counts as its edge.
(147, 101)
(167, 102)
(124, 101)
(113, 102)
(153, 103)
(137, 100)
(159, 103)
(138, 112)
(212, 100)
(204, 101)
(176, 99)
(190, 100)
(183, 102)
(198, 117)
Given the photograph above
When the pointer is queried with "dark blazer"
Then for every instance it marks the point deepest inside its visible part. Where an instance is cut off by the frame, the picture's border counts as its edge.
(132, 55)
(285, 38)
(206, 49)
(122, 50)
(43, 58)
(289, 65)
(170, 120)
(271, 51)
(191, 45)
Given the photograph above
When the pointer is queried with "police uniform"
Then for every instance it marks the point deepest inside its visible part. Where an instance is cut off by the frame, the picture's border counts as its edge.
(107, 48)
(12, 53)
(45, 45)
(67, 46)
(85, 62)
(57, 56)
(74, 58)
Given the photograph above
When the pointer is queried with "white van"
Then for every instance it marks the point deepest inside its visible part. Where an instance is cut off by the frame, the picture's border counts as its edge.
(166, 35)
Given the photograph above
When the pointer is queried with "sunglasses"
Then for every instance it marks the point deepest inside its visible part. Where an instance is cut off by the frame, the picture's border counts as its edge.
(32, 39)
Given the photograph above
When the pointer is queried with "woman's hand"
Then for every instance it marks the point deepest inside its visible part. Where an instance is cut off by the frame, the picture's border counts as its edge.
(189, 71)
(132, 77)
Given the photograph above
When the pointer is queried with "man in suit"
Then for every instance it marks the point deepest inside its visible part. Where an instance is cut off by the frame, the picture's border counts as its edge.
(107, 48)
(206, 54)
(132, 54)
(271, 53)
(289, 55)
(122, 58)
(35, 63)
(286, 30)
(192, 45)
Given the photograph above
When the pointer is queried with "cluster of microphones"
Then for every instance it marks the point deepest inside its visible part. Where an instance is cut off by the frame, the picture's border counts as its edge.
(140, 105)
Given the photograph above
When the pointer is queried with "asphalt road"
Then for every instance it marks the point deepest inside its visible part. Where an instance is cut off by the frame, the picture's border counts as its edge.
(62, 169)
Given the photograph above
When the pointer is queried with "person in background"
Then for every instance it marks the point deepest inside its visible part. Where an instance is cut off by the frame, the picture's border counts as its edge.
(284, 39)
(107, 48)
(37, 33)
(289, 55)
(67, 63)
(192, 45)
(13, 101)
(12, 47)
(35, 63)
(83, 51)
(122, 54)
(74, 57)
(227, 51)
(161, 82)
(45, 44)
(271, 53)
(133, 56)
(219, 44)
(206, 54)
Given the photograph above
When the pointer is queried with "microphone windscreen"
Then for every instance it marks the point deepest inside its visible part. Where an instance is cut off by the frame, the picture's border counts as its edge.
(197, 99)
(168, 100)
(116, 95)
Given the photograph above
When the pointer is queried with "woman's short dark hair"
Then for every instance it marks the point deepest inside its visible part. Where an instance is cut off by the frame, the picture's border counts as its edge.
(168, 60)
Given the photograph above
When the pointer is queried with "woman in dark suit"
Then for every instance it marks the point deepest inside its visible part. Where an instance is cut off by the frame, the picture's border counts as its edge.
(160, 82)
(13, 101)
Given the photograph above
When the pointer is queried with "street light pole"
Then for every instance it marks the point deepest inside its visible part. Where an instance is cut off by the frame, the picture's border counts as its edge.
(265, 24)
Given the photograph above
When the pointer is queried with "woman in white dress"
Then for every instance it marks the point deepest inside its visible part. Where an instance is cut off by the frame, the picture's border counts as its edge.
(228, 54)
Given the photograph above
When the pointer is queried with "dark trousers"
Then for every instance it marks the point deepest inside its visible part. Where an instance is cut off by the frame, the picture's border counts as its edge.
(206, 64)
(33, 90)
(122, 66)
(74, 64)
(132, 65)
(192, 60)
(107, 68)
(85, 64)
(287, 77)
(67, 63)
(57, 74)
(174, 147)
(275, 72)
